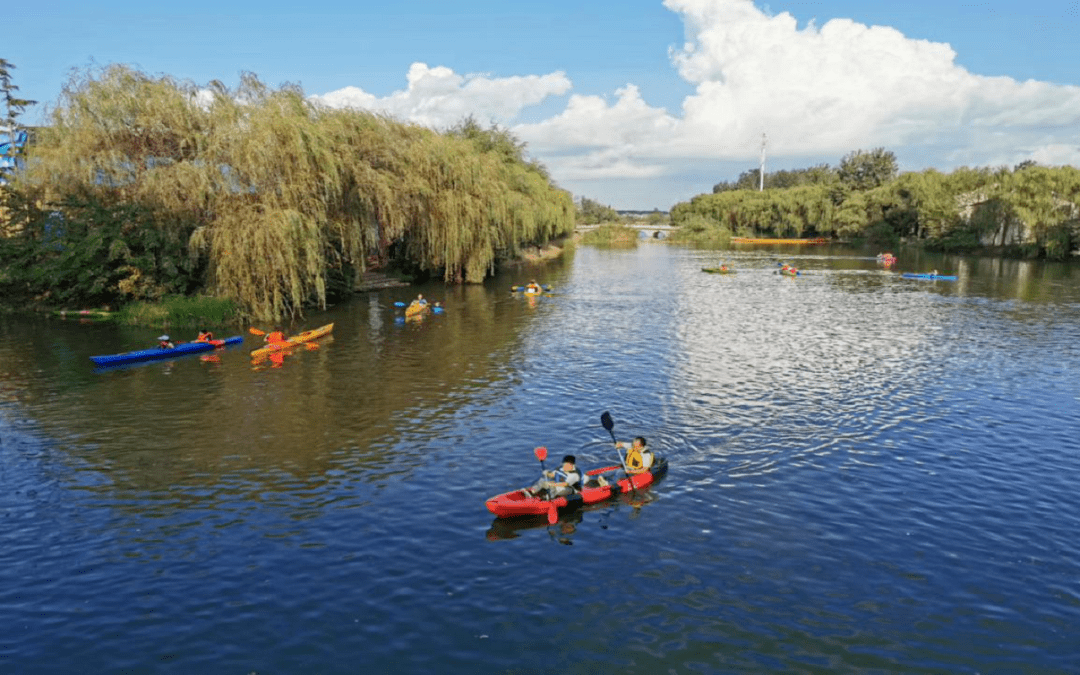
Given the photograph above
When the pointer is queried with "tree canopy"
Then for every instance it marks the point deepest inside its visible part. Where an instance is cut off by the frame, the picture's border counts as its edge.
(1034, 210)
(862, 170)
(274, 195)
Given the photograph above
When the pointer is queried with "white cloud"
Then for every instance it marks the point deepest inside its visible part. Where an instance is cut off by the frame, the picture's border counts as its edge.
(438, 97)
(590, 122)
(842, 86)
(817, 91)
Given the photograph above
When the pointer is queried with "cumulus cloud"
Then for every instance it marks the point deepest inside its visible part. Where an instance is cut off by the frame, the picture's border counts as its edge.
(438, 97)
(818, 91)
(843, 85)
(591, 122)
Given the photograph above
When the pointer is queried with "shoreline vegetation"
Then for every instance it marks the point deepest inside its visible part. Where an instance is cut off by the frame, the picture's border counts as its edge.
(610, 234)
(183, 205)
(144, 187)
(1027, 211)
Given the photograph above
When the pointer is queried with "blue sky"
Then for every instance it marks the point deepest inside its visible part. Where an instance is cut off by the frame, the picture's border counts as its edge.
(638, 104)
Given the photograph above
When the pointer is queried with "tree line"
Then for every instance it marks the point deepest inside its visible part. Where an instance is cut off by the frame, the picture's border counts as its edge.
(144, 186)
(1029, 210)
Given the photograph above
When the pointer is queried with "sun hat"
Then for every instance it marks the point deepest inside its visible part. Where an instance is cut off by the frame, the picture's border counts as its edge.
(163, 337)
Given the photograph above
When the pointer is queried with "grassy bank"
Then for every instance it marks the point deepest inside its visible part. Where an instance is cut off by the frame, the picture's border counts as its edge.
(180, 312)
(611, 233)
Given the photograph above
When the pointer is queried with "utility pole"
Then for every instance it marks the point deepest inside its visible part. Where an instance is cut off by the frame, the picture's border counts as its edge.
(761, 171)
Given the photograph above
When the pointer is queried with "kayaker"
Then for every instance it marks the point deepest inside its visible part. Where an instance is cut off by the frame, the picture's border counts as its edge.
(419, 301)
(639, 458)
(532, 287)
(558, 482)
(164, 343)
(204, 336)
(275, 337)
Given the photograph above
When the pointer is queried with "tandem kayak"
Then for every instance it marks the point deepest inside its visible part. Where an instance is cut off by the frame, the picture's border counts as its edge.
(519, 503)
(306, 336)
(162, 353)
(942, 277)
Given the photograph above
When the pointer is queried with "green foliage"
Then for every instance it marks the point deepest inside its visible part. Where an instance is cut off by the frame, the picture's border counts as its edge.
(181, 311)
(594, 213)
(276, 199)
(782, 179)
(13, 105)
(1048, 202)
(97, 254)
(657, 218)
(796, 212)
(866, 199)
(611, 233)
(698, 229)
(867, 170)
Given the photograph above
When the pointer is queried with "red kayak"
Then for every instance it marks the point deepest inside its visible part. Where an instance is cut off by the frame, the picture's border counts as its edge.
(520, 503)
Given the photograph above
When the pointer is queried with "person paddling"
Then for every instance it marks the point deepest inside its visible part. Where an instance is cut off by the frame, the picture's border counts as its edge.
(165, 343)
(204, 336)
(560, 482)
(639, 458)
(275, 337)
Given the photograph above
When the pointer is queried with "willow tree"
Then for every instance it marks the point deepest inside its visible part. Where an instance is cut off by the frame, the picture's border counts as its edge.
(273, 193)
(1047, 201)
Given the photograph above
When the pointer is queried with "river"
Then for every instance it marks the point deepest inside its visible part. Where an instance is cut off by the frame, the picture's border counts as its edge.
(868, 474)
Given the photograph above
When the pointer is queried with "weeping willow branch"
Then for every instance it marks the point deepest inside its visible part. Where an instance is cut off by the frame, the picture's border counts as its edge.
(273, 192)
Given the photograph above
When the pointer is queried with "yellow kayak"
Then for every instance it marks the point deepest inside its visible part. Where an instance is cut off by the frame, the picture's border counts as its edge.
(753, 240)
(306, 336)
(414, 309)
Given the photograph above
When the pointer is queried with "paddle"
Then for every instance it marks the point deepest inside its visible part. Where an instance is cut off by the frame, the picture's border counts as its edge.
(256, 331)
(553, 513)
(541, 454)
(609, 424)
(603, 469)
(399, 304)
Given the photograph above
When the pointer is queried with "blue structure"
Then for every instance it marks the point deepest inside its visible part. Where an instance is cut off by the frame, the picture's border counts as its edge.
(11, 160)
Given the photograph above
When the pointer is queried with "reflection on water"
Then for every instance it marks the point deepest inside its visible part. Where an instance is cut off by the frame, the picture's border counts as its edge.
(868, 474)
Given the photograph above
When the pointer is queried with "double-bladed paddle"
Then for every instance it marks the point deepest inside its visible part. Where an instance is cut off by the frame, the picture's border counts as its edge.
(609, 424)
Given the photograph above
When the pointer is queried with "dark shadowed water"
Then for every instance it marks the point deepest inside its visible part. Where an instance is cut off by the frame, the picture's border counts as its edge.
(868, 474)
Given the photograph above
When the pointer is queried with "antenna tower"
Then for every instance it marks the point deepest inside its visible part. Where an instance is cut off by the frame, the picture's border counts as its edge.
(761, 171)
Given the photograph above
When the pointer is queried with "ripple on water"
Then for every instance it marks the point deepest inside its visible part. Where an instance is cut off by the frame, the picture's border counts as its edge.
(867, 475)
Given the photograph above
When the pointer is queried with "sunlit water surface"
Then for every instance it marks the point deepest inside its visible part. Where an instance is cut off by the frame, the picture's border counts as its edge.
(868, 474)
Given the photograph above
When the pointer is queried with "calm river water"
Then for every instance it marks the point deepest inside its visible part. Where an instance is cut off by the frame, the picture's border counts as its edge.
(868, 474)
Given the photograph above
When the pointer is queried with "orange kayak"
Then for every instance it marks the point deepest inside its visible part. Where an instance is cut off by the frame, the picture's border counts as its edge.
(306, 336)
(750, 240)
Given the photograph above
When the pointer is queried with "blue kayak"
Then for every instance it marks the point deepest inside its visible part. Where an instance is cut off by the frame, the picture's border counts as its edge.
(943, 277)
(162, 353)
